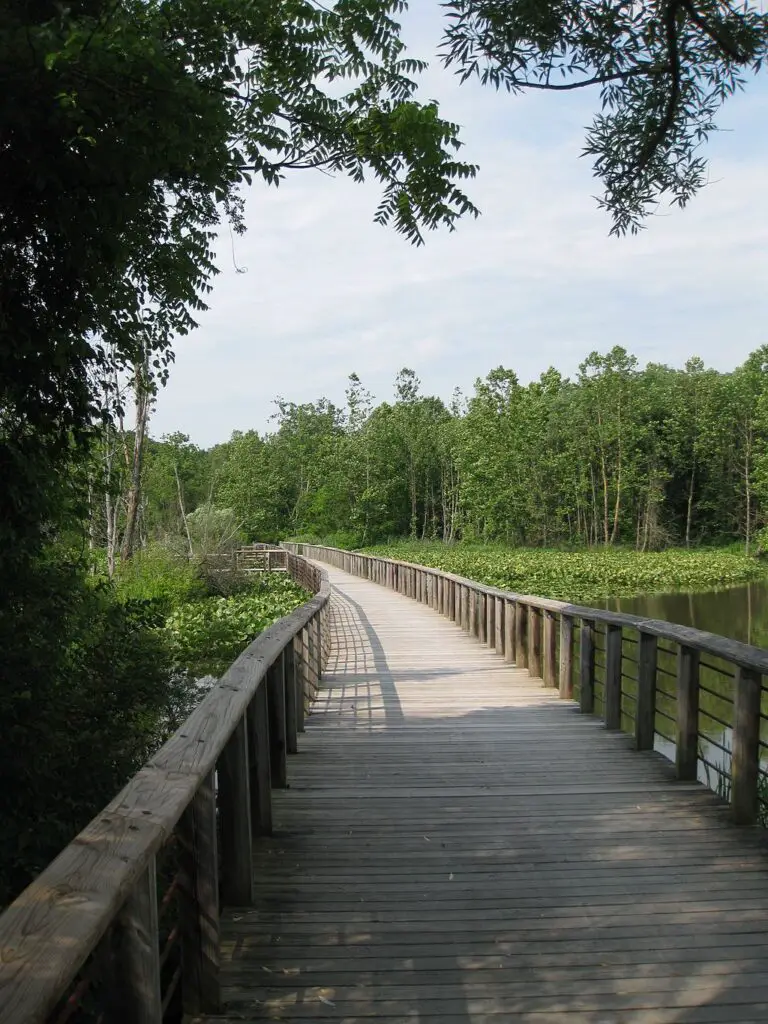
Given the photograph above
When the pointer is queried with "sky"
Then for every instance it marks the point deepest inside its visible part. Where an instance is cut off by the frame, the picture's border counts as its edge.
(315, 290)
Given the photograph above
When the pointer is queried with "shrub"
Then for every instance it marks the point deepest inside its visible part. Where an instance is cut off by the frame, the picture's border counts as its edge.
(161, 576)
(86, 694)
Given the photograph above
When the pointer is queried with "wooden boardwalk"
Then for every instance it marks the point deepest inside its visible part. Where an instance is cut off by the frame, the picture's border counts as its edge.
(458, 845)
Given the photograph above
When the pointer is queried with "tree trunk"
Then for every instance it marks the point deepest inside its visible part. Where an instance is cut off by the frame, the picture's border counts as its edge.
(133, 499)
(689, 512)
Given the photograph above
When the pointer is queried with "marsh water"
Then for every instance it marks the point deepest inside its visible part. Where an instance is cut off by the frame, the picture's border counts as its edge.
(740, 613)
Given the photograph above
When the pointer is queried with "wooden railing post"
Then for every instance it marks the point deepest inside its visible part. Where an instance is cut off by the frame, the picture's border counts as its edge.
(745, 757)
(587, 667)
(613, 640)
(301, 659)
(534, 642)
(550, 649)
(480, 600)
(199, 903)
(472, 611)
(566, 657)
(291, 701)
(521, 634)
(490, 620)
(687, 752)
(130, 955)
(277, 725)
(235, 816)
(645, 711)
(509, 632)
(464, 607)
(498, 642)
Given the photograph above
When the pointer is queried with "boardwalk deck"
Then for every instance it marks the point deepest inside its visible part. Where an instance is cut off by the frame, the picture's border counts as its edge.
(459, 846)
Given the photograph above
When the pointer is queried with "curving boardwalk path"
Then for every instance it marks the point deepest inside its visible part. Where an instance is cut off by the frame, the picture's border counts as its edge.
(459, 846)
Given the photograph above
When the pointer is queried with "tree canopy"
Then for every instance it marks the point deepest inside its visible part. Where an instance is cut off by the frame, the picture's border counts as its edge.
(663, 69)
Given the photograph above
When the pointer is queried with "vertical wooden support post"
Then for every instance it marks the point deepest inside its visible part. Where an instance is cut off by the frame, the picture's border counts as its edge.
(498, 622)
(440, 595)
(131, 958)
(481, 601)
(645, 711)
(260, 786)
(745, 758)
(235, 817)
(587, 667)
(490, 621)
(550, 649)
(318, 650)
(310, 662)
(472, 611)
(199, 903)
(687, 753)
(277, 730)
(509, 632)
(291, 701)
(534, 642)
(613, 638)
(303, 667)
(464, 591)
(566, 657)
(298, 687)
(521, 634)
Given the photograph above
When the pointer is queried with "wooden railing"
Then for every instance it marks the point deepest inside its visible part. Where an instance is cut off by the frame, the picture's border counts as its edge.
(123, 926)
(671, 686)
(254, 558)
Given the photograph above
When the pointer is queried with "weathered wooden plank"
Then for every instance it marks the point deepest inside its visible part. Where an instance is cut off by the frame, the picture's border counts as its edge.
(291, 701)
(234, 800)
(521, 634)
(534, 643)
(566, 657)
(745, 759)
(587, 667)
(275, 684)
(549, 649)
(199, 903)
(131, 980)
(645, 711)
(259, 763)
(509, 632)
(613, 642)
(687, 742)
(499, 628)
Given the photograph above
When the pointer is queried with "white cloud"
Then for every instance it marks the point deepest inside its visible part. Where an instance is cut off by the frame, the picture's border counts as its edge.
(536, 281)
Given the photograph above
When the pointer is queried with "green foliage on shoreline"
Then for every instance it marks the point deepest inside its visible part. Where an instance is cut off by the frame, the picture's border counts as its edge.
(586, 575)
(205, 636)
(103, 671)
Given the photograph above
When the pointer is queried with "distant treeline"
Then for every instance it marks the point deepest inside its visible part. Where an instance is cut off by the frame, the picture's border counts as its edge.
(617, 455)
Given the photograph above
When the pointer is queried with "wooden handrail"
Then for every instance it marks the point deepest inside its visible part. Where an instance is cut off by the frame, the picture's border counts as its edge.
(539, 633)
(98, 897)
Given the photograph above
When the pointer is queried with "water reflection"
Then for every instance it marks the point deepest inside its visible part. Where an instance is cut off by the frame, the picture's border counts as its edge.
(740, 613)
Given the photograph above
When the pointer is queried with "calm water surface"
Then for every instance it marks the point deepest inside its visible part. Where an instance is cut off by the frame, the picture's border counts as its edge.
(740, 613)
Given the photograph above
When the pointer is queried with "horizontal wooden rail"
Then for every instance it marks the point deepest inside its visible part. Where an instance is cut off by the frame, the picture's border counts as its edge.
(542, 635)
(208, 790)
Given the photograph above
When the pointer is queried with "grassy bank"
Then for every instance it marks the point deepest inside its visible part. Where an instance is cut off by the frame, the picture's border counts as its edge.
(588, 575)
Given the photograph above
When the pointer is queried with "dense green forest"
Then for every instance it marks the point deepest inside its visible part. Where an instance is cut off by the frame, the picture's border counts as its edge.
(646, 457)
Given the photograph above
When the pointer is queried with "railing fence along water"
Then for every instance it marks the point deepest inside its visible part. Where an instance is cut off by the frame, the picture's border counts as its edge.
(123, 926)
(697, 697)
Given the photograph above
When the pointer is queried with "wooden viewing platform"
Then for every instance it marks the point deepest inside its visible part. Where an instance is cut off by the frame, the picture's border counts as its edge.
(454, 842)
